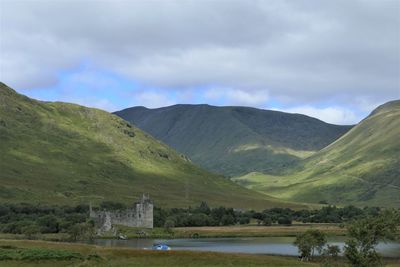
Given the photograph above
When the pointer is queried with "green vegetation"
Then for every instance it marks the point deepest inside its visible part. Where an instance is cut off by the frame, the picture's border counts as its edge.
(221, 216)
(32, 221)
(90, 256)
(36, 254)
(236, 140)
(309, 242)
(254, 231)
(62, 153)
(366, 233)
(361, 168)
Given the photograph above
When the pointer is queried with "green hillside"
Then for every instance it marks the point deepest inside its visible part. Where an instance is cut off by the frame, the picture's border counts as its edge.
(362, 167)
(235, 140)
(67, 154)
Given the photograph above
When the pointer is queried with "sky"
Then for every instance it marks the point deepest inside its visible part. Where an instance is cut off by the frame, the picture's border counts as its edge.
(333, 60)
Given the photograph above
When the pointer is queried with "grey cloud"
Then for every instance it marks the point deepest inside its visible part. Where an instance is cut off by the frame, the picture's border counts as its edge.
(295, 50)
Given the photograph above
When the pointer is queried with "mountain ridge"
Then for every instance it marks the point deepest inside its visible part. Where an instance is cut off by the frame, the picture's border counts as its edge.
(235, 140)
(359, 168)
(55, 152)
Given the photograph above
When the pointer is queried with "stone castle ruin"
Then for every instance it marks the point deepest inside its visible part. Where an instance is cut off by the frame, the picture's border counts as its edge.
(140, 215)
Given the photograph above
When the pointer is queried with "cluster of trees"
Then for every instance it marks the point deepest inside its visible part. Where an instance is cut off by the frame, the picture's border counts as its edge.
(32, 220)
(328, 214)
(360, 248)
(203, 215)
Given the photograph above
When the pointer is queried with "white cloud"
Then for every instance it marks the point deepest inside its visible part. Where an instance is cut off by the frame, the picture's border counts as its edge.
(229, 96)
(334, 115)
(151, 99)
(303, 51)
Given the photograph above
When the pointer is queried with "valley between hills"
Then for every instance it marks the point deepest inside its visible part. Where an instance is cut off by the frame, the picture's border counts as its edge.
(289, 156)
(64, 153)
(211, 172)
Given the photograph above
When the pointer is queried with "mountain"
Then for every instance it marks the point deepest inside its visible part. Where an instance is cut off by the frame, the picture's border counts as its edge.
(235, 140)
(362, 167)
(62, 153)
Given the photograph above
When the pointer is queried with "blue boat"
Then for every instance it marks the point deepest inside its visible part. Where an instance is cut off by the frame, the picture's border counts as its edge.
(161, 247)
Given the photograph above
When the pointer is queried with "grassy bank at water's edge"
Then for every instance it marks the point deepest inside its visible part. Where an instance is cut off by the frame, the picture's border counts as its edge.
(64, 254)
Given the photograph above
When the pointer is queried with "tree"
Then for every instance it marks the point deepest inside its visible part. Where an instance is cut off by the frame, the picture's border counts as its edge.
(169, 225)
(81, 231)
(310, 241)
(366, 233)
(259, 216)
(204, 208)
(227, 220)
(267, 221)
(31, 231)
(49, 224)
(285, 220)
(332, 251)
(331, 256)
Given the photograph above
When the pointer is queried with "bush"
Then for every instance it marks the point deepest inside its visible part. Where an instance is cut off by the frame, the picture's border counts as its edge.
(285, 220)
(267, 221)
(81, 231)
(227, 220)
(244, 220)
(49, 224)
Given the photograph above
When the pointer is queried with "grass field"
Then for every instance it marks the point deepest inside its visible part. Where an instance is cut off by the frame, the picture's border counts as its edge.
(205, 232)
(26, 253)
(257, 231)
(360, 168)
(90, 256)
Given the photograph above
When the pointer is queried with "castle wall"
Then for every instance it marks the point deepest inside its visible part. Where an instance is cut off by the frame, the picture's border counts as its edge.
(140, 215)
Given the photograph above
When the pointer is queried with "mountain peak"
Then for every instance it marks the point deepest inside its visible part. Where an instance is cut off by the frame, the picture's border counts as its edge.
(233, 140)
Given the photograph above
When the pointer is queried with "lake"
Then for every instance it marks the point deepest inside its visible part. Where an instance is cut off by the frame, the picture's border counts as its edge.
(255, 245)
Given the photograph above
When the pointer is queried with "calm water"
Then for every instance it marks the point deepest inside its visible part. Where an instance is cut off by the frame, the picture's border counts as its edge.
(256, 245)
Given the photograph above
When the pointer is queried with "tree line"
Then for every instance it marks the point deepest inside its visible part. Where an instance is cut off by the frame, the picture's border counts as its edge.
(203, 215)
(29, 219)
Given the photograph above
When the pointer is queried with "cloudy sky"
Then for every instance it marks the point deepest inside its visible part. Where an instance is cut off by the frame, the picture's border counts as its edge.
(334, 60)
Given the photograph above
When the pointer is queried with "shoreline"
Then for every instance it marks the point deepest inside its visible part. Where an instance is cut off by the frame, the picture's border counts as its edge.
(94, 255)
(201, 232)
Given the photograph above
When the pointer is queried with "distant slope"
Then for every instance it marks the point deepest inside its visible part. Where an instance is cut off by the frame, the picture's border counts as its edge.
(362, 167)
(235, 140)
(64, 153)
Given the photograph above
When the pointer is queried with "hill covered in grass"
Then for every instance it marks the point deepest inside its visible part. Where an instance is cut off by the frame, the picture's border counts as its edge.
(62, 153)
(362, 167)
(235, 140)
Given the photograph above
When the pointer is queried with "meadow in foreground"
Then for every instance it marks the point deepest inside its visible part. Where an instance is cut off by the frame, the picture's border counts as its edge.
(40, 253)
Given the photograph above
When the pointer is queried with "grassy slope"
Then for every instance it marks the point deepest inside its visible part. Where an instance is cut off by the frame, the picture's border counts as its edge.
(66, 154)
(235, 140)
(125, 257)
(362, 167)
